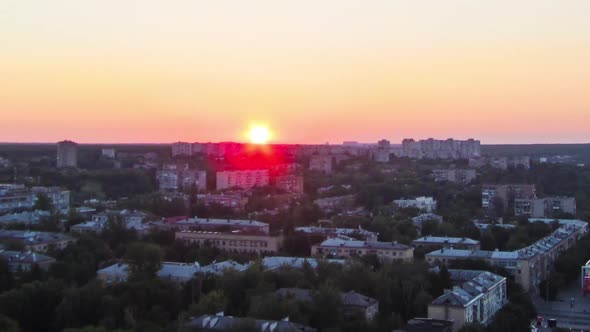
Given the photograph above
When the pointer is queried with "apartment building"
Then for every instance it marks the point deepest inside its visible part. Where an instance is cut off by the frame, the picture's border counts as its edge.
(321, 163)
(506, 193)
(341, 248)
(37, 241)
(463, 176)
(182, 149)
(501, 162)
(15, 197)
(424, 204)
(437, 242)
(233, 242)
(174, 271)
(545, 207)
(440, 149)
(476, 297)
(21, 261)
(221, 225)
(529, 265)
(176, 177)
(356, 233)
(245, 179)
(67, 154)
(220, 322)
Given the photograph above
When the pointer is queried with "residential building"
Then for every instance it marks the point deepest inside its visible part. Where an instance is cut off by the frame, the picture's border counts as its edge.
(545, 207)
(219, 268)
(236, 202)
(37, 241)
(529, 265)
(427, 325)
(219, 322)
(60, 199)
(182, 149)
(109, 153)
(18, 197)
(425, 204)
(245, 179)
(133, 220)
(354, 305)
(477, 298)
(222, 225)
(359, 233)
(24, 218)
(341, 248)
(501, 162)
(290, 183)
(177, 272)
(506, 194)
(419, 220)
(437, 242)
(175, 177)
(272, 263)
(233, 242)
(383, 151)
(67, 154)
(22, 261)
(321, 163)
(463, 176)
(440, 149)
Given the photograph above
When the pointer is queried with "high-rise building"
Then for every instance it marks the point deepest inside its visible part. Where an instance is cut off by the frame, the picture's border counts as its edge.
(67, 154)
(245, 179)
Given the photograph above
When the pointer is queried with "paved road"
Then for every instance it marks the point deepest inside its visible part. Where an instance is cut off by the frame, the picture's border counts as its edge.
(576, 317)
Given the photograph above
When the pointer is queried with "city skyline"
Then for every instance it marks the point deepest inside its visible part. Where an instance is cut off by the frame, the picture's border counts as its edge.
(155, 72)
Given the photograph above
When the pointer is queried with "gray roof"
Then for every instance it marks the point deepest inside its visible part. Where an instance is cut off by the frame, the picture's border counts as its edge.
(168, 270)
(32, 238)
(26, 257)
(474, 284)
(445, 240)
(220, 267)
(349, 299)
(221, 222)
(335, 231)
(224, 323)
(336, 242)
(275, 262)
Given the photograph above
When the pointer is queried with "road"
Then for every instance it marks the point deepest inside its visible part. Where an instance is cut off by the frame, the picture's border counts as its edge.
(576, 317)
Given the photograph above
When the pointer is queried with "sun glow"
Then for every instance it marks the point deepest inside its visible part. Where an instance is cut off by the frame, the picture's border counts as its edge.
(259, 134)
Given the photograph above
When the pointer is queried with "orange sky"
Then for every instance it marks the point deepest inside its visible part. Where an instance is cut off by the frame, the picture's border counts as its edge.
(314, 71)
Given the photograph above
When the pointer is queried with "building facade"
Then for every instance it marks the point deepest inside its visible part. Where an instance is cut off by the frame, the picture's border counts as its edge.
(245, 179)
(506, 193)
(386, 251)
(67, 154)
(463, 176)
(545, 207)
(437, 242)
(424, 204)
(233, 242)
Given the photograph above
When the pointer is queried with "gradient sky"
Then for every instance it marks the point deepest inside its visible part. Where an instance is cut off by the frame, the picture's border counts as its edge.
(503, 71)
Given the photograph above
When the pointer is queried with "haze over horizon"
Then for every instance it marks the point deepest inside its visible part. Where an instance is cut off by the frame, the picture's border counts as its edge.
(314, 72)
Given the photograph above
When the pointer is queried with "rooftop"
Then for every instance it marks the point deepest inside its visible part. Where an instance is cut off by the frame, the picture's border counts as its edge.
(337, 242)
(445, 240)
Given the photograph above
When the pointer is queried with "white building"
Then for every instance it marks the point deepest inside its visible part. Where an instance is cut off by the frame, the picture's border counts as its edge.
(425, 204)
(109, 153)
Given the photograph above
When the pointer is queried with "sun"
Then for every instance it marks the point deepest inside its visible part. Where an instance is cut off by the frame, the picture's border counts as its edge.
(259, 134)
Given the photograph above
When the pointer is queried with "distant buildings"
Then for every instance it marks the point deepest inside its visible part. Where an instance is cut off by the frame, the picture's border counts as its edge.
(427, 325)
(108, 153)
(234, 201)
(386, 251)
(355, 233)
(331, 204)
(529, 265)
(463, 176)
(505, 194)
(321, 163)
(290, 183)
(383, 151)
(353, 304)
(545, 207)
(22, 261)
(245, 179)
(271, 263)
(441, 149)
(37, 241)
(437, 242)
(233, 242)
(229, 323)
(425, 204)
(178, 177)
(24, 218)
(177, 272)
(67, 154)
(182, 149)
(15, 197)
(131, 219)
(477, 298)
(501, 162)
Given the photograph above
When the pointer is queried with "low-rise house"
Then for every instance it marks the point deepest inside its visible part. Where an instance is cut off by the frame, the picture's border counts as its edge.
(22, 261)
(175, 271)
(131, 219)
(437, 242)
(233, 242)
(219, 268)
(477, 298)
(359, 233)
(353, 303)
(228, 323)
(37, 241)
(341, 248)
(426, 204)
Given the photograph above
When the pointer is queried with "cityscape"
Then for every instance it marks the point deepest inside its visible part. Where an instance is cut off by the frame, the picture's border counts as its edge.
(294, 166)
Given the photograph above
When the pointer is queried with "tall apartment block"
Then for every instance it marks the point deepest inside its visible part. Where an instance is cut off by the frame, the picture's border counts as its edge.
(506, 193)
(245, 179)
(67, 154)
(441, 149)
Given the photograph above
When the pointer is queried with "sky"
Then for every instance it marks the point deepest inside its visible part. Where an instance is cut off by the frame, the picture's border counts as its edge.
(105, 71)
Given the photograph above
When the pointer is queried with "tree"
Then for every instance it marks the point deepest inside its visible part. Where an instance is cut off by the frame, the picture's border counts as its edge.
(472, 327)
(8, 325)
(144, 260)
(43, 203)
(210, 303)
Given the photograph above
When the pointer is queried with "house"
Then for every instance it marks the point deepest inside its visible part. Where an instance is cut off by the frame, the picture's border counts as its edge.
(25, 260)
(37, 241)
(341, 248)
(425, 204)
(228, 323)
